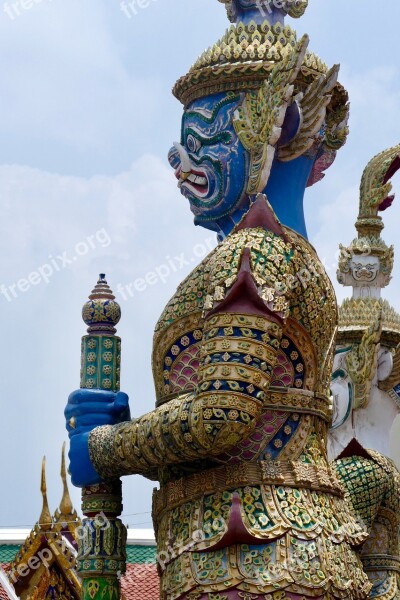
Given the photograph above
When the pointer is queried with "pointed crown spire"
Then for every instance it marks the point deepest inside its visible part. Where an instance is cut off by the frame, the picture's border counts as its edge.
(45, 520)
(259, 10)
(367, 263)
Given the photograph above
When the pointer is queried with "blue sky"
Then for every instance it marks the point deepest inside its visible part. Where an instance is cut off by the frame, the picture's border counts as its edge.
(86, 120)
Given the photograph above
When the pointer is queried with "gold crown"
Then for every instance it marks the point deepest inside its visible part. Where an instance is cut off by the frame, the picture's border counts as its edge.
(244, 57)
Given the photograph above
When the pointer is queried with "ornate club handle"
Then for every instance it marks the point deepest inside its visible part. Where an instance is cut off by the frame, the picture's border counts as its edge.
(102, 546)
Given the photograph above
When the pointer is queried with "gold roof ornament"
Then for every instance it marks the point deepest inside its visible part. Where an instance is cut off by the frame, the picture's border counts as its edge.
(45, 520)
(66, 507)
(66, 517)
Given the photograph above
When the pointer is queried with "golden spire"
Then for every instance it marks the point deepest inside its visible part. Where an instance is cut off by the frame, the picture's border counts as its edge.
(45, 519)
(65, 517)
(66, 507)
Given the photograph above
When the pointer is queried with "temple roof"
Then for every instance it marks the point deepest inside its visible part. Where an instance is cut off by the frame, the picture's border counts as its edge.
(140, 581)
(56, 535)
(50, 546)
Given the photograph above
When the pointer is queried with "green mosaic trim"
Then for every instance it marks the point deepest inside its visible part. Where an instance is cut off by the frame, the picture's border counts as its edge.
(101, 362)
(107, 567)
(100, 588)
(102, 549)
(136, 555)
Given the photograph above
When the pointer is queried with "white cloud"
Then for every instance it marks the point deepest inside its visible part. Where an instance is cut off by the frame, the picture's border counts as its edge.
(69, 86)
(45, 214)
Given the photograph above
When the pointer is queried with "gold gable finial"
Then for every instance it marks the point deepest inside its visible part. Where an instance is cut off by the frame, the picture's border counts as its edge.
(66, 518)
(45, 519)
(66, 507)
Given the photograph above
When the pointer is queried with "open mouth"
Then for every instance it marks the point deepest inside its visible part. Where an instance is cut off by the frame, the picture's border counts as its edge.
(365, 275)
(196, 181)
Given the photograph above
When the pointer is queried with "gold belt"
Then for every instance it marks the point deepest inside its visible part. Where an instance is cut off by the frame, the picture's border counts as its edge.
(294, 474)
(378, 562)
(288, 400)
(299, 401)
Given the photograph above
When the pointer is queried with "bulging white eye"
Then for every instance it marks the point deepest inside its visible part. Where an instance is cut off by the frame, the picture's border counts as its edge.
(192, 143)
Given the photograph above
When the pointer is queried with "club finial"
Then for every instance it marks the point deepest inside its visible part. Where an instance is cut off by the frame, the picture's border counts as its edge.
(101, 313)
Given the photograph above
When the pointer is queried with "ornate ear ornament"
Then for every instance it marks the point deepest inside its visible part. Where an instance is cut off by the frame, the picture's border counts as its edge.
(258, 121)
(296, 8)
(362, 363)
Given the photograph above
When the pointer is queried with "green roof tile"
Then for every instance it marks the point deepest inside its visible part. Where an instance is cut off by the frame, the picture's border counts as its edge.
(8, 553)
(140, 555)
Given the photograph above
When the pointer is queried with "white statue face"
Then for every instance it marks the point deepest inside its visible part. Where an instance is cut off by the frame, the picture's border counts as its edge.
(365, 269)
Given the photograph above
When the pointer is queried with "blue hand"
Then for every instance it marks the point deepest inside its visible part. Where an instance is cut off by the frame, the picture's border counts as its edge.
(87, 409)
